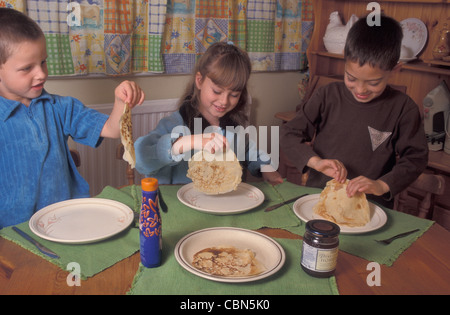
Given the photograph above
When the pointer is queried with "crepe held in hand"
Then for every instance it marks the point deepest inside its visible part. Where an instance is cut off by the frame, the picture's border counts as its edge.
(217, 173)
(126, 136)
(334, 205)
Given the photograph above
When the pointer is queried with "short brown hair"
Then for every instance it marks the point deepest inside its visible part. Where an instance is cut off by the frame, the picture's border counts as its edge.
(377, 45)
(15, 27)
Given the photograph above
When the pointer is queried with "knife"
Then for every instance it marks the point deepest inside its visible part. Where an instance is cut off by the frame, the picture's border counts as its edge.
(283, 203)
(38, 245)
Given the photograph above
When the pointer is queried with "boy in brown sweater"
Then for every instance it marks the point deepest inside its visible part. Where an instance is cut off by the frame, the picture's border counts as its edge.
(363, 129)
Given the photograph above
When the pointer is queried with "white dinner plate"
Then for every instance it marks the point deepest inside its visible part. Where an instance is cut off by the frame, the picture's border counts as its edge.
(79, 221)
(415, 35)
(303, 208)
(244, 198)
(267, 251)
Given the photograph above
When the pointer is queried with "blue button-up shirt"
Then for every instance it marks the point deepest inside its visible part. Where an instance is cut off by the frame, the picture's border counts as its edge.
(35, 164)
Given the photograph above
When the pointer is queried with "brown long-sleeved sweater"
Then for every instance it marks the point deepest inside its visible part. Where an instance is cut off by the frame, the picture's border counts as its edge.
(383, 139)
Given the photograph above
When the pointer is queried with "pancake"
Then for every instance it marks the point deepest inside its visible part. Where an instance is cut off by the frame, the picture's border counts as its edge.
(215, 173)
(126, 136)
(334, 205)
(227, 261)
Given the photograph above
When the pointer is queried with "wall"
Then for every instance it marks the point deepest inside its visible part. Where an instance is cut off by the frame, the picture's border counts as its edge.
(271, 92)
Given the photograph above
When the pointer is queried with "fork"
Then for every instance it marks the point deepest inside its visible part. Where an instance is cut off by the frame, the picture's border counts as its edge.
(389, 240)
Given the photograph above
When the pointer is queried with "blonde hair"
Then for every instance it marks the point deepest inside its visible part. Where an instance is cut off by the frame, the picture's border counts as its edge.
(227, 66)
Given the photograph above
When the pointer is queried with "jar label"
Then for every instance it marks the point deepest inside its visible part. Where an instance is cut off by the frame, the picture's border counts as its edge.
(319, 259)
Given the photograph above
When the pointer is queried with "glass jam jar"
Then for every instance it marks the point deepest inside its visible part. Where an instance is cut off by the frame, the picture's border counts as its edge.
(320, 248)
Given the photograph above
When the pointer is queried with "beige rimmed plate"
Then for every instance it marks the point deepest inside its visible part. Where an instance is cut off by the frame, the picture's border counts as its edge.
(80, 221)
(244, 198)
(267, 251)
(303, 208)
(415, 35)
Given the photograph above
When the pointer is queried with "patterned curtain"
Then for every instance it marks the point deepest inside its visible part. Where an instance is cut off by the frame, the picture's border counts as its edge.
(117, 37)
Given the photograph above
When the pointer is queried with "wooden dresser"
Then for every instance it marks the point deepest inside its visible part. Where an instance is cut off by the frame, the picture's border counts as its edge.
(418, 77)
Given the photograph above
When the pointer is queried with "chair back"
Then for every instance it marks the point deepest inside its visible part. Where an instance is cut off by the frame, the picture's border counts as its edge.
(423, 189)
(76, 157)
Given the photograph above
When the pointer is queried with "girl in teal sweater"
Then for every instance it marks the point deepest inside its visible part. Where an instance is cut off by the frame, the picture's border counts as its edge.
(213, 108)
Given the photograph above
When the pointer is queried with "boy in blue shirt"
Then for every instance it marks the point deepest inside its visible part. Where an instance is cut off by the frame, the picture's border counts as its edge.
(35, 164)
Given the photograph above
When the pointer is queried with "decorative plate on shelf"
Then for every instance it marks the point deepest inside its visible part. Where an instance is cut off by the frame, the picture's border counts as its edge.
(415, 35)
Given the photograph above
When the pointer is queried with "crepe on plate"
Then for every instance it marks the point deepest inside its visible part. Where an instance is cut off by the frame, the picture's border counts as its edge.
(334, 205)
(217, 173)
(126, 136)
(227, 261)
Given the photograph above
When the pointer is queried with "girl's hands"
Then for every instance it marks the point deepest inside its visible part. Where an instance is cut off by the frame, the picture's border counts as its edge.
(211, 142)
(273, 178)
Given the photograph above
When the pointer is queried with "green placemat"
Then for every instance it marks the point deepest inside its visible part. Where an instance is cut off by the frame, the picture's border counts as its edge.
(95, 257)
(92, 258)
(181, 220)
(364, 245)
(184, 219)
(171, 278)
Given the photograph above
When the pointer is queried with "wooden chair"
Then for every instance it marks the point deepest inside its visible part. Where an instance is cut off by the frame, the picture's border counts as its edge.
(431, 185)
(76, 157)
(130, 172)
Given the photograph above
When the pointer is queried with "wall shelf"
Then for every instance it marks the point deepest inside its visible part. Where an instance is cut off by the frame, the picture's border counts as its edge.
(419, 76)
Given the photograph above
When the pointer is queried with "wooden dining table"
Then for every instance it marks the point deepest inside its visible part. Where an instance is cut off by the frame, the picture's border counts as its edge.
(422, 269)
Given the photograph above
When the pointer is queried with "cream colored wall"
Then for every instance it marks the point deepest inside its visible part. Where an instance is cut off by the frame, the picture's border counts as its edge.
(271, 92)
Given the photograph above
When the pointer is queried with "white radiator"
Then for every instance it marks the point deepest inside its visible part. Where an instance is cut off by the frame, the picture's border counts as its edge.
(99, 166)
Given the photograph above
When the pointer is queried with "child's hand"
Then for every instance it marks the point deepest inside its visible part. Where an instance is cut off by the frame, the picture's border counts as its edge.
(332, 168)
(367, 186)
(129, 92)
(211, 142)
(273, 178)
